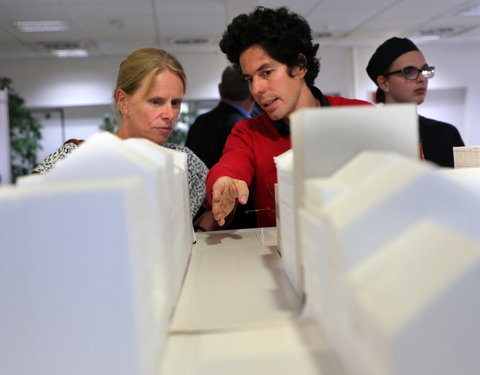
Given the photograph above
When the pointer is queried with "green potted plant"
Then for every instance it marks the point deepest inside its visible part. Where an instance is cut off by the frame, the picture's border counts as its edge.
(109, 123)
(25, 133)
(180, 131)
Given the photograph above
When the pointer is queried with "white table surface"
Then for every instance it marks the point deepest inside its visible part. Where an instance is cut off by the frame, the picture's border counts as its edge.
(238, 314)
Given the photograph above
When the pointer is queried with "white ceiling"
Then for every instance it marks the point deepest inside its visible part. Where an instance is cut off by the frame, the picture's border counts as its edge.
(115, 27)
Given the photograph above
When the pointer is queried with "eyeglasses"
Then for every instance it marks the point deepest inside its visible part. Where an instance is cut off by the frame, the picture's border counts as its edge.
(412, 73)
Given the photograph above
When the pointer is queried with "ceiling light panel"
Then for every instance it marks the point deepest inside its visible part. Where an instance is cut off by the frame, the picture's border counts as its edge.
(40, 26)
(473, 11)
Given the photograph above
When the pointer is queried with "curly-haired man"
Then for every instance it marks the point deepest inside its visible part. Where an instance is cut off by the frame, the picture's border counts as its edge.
(274, 50)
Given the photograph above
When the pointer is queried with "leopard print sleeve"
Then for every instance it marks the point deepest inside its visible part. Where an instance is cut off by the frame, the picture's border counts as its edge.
(196, 171)
(54, 157)
(196, 174)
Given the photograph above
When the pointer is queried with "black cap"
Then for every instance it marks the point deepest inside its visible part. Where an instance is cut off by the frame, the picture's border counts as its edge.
(386, 54)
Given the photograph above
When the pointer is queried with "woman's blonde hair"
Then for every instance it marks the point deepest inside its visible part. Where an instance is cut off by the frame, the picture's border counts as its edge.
(145, 62)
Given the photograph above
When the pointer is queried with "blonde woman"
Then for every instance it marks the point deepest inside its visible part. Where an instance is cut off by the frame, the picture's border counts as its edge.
(150, 87)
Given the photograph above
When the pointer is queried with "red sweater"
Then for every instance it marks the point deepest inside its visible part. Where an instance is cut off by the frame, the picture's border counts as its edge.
(248, 156)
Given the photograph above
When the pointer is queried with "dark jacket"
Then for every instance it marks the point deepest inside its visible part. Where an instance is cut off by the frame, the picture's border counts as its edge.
(208, 133)
(206, 138)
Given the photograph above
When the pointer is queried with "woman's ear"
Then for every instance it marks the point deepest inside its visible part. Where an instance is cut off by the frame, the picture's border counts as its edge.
(382, 83)
(121, 100)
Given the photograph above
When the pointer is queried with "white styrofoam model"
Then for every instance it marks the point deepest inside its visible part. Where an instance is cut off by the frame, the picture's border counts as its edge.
(183, 235)
(415, 306)
(315, 243)
(85, 200)
(389, 245)
(174, 229)
(388, 199)
(323, 140)
(322, 232)
(286, 226)
(105, 155)
(78, 290)
(407, 205)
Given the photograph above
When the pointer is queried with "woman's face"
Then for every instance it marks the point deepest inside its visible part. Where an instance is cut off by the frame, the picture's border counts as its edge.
(151, 112)
(397, 88)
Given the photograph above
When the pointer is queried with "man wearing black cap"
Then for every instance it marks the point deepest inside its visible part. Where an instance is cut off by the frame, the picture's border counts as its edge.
(400, 71)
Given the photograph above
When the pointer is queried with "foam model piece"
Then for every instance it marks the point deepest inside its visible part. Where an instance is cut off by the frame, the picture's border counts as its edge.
(396, 267)
(183, 235)
(173, 196)
(162, 229)
(470, 177)
(105, 155)
(403, 186)
(323, 140)
(285, 208)
(316, 232)
(416, 308)
(466, 156)
(77, 286)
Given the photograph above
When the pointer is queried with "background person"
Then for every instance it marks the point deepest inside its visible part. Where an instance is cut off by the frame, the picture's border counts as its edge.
(207, 135)
(150, 87)
(277, 58)
(401, 73)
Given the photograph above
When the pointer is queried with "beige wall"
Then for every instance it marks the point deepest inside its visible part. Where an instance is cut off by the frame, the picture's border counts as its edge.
(89, 82)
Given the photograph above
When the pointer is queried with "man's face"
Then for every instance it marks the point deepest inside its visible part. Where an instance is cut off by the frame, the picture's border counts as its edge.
(273, 88)
(398, 89)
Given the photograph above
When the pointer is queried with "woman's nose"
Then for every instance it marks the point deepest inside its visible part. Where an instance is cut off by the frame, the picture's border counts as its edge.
(168, 111)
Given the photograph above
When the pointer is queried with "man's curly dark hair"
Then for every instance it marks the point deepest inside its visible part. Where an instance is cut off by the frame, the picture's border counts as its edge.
(284, 35)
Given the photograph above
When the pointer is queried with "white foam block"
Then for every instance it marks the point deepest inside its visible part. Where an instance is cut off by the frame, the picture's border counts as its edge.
(79, 294)
(104, 155)
(469, 177)
(383, 205)
(324, 139)
(343, 231)
(175, 229)
(286, 224)
(375, 210)
(361, 215)
(322, 190)
(315, 242)
(181, 219)
(416, 305)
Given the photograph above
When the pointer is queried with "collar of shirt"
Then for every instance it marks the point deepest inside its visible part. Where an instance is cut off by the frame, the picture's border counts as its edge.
(242, 110)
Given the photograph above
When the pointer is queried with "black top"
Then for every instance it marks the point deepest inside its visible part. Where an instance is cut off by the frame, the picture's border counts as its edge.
(438, 139)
